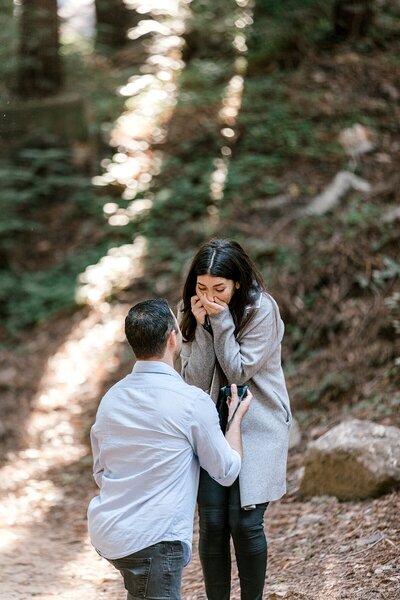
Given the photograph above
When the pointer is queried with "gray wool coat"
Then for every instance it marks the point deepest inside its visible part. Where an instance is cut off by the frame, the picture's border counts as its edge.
(254, 357)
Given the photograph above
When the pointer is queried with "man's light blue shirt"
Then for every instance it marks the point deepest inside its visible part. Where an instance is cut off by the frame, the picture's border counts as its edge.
(152, 433)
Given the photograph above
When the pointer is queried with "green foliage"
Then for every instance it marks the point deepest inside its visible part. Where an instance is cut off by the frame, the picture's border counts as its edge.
(333, 385)
(379, 405)
(211, 29)
(201, 80)
(386, 24)
(276, 134)
(391, 270)
(36, 179)
(249, 178)
(271, 123)
(39, 180)
(360, 214)
(30, 298)
(286, 30)
(8, 45)
(183, 199)
(98, 82)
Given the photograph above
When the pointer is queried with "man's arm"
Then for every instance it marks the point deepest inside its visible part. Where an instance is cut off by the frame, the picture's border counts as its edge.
(233, 435)
(97, 468)
(219, 456)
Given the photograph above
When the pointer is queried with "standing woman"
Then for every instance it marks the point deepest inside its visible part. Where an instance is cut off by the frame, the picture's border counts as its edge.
(233, 332)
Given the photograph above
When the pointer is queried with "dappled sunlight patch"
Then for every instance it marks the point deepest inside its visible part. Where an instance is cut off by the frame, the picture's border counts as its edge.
(31, 506)
(114, 272)
(77, 20)
(91, 570)
(150, 102)
(72, 374)
(218, 179)
(158, 7)
(147, 26)
(75, 372)
(151, 97)
(231, 104)
(133, 211)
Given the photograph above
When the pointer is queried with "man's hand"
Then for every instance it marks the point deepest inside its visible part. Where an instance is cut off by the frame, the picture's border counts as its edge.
(233, 402)
(212, 307)
(198, 309)
(233, 434)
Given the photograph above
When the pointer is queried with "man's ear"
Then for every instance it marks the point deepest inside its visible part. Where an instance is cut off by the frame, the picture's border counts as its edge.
(172, 339)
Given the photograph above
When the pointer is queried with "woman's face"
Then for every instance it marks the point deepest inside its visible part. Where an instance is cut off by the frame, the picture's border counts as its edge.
(216, 287)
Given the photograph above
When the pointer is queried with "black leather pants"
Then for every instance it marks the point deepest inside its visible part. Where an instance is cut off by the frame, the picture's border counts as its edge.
(220, 518)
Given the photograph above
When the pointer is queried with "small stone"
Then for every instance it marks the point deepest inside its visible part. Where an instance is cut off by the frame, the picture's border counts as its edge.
(309, 519)
(343, 549)
(372, 539)
(383, 569)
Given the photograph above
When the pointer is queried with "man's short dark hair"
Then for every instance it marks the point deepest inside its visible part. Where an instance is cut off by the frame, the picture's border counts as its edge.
(147, 327)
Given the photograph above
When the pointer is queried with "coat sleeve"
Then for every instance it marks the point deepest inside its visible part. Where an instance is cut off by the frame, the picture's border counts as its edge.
(241, 360)
(198, 359)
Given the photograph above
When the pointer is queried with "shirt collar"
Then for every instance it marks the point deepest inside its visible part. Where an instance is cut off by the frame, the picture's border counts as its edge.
(154, 366)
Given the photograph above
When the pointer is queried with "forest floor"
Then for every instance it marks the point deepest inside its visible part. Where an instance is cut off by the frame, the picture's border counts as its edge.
(51, 382)
(319, 549)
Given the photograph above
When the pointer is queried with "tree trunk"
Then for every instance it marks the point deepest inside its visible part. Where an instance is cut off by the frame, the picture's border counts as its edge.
(352, 18)
(39, 68)
(112, 24)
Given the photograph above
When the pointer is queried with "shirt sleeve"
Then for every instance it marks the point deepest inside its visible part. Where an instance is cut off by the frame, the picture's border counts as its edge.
(97, 468)
(198, 359)
(240, 361)
(213, 451)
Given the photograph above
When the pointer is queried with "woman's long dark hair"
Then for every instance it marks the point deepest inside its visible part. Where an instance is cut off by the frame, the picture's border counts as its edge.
(222, 258)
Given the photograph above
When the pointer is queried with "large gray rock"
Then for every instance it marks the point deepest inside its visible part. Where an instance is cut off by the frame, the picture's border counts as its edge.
(357, 459)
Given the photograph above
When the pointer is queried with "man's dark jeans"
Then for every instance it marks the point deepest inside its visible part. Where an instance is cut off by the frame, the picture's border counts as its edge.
(154, 573)
(220, 517)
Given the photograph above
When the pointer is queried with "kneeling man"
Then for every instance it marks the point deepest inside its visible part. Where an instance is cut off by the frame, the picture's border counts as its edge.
(152, 434)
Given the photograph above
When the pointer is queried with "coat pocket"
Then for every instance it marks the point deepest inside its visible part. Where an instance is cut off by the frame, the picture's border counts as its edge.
(285, 410)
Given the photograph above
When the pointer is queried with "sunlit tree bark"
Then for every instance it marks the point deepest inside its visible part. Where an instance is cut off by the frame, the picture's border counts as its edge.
(112, 24)
(39, 67)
